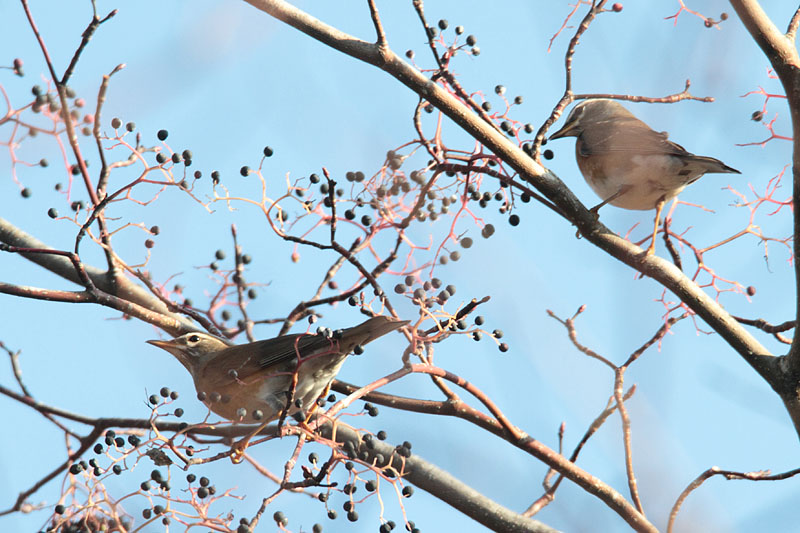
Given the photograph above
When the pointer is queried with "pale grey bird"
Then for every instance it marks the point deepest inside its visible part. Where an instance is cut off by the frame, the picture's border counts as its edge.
(628, 164)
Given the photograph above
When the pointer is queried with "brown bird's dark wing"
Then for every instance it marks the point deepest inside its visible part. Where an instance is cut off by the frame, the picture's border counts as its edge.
(246, 362)
(280, 353)
(285, 349)
(282, 350)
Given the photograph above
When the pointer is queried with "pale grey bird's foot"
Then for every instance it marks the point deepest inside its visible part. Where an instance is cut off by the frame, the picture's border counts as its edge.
(594, 212)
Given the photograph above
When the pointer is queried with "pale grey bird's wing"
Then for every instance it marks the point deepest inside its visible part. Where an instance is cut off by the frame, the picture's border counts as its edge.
(629, 135)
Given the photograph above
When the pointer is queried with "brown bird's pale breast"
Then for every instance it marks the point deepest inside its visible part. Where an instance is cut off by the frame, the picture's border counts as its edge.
(260, 375)
(260, 379)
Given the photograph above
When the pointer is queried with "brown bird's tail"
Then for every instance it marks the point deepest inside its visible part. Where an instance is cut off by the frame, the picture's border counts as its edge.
(370, 330)
(713, 166)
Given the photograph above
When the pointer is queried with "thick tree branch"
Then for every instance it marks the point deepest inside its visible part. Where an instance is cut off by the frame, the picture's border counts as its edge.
(441, 484)
(544, 180)
(782, 53)
(415, 469)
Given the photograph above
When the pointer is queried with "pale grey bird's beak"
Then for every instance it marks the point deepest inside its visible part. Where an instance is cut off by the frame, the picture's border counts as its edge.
(568, 130)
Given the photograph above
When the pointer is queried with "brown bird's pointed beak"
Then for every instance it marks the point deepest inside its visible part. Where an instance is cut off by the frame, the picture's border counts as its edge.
(166, 345)
(161, 344)
(169, 346)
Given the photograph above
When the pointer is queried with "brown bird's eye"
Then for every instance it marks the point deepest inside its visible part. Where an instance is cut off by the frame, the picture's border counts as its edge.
(194, 338)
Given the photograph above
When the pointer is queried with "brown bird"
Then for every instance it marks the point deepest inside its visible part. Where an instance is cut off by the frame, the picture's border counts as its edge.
(628, 164)
(254, 381)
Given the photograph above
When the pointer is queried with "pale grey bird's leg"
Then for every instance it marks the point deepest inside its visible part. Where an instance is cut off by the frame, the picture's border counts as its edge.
(659, 207)
(622, 190)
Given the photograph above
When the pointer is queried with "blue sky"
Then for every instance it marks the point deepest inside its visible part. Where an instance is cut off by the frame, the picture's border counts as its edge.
(226, 80)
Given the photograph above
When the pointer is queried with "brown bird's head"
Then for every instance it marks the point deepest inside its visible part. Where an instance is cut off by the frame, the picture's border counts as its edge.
(593, 112)
(193, 350)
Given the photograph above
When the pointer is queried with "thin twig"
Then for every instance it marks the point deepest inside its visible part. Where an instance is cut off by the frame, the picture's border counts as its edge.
(763, 475)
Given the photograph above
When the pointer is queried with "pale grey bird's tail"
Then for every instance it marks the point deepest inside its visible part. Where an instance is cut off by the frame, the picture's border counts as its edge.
(713, 166)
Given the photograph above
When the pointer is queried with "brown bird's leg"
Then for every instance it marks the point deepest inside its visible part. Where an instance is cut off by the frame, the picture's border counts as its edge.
(622, 190)
(315, 406)
(240, 446)
(659, 207)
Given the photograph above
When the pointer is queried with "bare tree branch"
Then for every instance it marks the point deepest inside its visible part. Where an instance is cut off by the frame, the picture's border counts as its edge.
(120, 286)
(544, 180)
(782, 54)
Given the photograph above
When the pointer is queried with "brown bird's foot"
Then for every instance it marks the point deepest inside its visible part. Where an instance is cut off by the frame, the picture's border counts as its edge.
(309, 431)
(239, 448)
